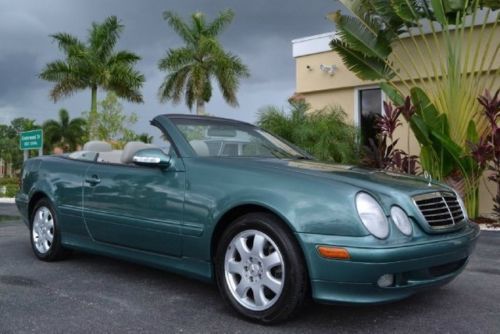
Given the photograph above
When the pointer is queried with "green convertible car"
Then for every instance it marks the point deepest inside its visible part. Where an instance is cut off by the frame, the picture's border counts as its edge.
(224, 201)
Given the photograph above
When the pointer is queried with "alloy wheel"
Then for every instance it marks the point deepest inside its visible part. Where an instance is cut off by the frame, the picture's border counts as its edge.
(43, 229)
(254, 270)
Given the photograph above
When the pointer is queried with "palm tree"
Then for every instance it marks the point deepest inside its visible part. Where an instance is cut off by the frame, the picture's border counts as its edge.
(65, 133)
(191, 68)
(94, 65)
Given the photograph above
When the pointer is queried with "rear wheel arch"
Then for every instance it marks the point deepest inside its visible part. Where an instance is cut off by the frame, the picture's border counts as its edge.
(35, 198)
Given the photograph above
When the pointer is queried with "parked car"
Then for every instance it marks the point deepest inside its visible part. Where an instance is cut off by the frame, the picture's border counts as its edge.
(221, 200)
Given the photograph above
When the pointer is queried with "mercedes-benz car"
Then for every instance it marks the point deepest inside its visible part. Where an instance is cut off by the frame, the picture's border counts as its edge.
(225, 201)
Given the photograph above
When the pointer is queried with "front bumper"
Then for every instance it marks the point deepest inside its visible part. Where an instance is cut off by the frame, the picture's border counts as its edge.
(416, 264)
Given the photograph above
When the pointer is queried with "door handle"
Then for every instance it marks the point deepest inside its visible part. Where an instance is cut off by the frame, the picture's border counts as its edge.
(93, 180)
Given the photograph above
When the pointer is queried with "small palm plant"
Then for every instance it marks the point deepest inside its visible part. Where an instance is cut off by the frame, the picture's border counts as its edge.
(94, 65)
(191, 68)
(65, 133)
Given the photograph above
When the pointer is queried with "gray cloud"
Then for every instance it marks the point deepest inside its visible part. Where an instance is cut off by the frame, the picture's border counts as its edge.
(261, 35)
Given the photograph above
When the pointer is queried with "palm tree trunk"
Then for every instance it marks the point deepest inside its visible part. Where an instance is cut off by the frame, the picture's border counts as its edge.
(93, 115)
(200, 107)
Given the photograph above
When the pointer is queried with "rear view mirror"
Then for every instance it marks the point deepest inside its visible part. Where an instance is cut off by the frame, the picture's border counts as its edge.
(152, 157)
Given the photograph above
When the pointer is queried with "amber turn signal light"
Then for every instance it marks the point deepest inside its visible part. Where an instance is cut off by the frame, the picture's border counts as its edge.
(331, 252)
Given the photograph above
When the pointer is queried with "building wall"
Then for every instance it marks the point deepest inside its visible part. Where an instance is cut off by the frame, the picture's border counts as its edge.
(322, 89)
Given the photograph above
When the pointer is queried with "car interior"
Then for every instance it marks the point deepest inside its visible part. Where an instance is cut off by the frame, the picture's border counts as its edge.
(101, 151)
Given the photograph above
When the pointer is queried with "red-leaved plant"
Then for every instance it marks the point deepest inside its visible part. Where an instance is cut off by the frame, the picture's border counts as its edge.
(487, 151)
(381, 152)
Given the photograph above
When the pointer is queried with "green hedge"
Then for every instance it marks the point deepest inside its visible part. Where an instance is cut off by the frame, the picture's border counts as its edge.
(12, 186)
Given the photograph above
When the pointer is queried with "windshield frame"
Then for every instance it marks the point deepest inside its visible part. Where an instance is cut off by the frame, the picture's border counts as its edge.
(255, 131)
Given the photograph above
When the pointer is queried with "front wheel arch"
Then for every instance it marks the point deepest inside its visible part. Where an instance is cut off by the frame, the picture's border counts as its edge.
(296, 274)
(239, 211)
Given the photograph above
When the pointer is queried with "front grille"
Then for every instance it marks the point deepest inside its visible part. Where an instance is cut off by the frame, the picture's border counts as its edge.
(440, 209)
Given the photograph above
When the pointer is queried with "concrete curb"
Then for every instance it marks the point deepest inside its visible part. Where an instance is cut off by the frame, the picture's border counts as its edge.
(7, 200)
(483, 227)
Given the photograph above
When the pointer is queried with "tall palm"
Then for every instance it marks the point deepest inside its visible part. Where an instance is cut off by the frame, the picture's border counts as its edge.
(94, 64)
(191, 68)
(66, 133)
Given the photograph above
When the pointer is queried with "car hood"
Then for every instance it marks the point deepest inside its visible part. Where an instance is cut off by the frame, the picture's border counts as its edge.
(379, 181)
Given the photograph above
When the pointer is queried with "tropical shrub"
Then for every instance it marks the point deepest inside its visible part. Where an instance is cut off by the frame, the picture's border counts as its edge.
(323, 133)
(11, 185)
(486, 152)
(443, 67)
(113, 124)
(381, 152)
(9, 140)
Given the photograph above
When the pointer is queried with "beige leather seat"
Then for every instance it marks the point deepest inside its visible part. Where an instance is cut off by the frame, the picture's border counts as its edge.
(97, 146)
(200, 147)
(110, 157)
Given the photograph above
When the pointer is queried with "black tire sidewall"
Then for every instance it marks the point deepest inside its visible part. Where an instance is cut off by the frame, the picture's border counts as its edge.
(55, 252)
(295, 284)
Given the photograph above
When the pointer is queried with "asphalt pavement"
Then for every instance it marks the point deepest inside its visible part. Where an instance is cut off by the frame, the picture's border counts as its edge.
(94, 294)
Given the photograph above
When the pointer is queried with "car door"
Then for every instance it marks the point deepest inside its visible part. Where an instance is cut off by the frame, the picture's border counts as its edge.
(135, 206)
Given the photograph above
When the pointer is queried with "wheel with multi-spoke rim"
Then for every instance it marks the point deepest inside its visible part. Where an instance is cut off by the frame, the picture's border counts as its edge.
(45, 236)
(260, 269)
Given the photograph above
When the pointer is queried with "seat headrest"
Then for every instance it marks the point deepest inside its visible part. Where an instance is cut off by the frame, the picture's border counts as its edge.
(131, 149)
(112, 157)
(97, 146)
(200, 147)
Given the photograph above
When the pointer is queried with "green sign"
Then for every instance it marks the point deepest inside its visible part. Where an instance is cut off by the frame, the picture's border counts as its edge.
(31, 140)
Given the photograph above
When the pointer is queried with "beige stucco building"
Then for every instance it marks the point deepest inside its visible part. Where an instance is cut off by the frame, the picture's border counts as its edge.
(324, 80)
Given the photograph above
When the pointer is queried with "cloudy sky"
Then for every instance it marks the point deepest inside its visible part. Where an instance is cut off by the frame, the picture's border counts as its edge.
(261, 35)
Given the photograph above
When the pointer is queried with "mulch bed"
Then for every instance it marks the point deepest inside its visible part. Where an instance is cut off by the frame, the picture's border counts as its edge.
(488, 222)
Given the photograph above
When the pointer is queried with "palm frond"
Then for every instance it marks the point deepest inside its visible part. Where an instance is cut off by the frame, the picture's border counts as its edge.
(228, 70)
(176, 59)
(366, 68)
(220, 23)
(103, 37)
(178, 25)
(63, 117)
(360, 38)
(55, 71)
(173, 84)
(126, 82)
(198, 24)
(68, 43)
(123, 57)
(408, 10)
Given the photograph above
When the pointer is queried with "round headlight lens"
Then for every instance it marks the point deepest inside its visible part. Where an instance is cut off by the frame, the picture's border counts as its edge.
(400, 218)
(372, 215)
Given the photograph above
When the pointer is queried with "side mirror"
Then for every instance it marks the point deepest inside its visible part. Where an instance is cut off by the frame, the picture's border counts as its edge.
(152, 157)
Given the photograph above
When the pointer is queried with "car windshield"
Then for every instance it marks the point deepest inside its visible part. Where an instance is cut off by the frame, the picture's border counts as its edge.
(218, 138)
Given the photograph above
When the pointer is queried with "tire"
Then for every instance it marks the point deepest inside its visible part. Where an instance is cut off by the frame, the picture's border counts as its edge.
(260, 270)
(45, 235)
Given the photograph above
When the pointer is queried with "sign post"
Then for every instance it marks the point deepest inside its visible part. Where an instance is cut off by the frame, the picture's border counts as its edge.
(31, 140)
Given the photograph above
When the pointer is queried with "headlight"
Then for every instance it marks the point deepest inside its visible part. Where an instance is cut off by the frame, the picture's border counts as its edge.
(372, 215)
(401, 220)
